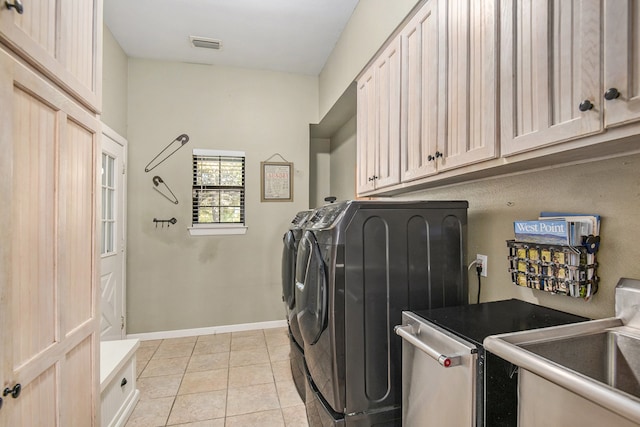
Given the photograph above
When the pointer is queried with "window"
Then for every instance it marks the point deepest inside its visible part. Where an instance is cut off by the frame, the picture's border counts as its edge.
(218, 192)
(108, 220)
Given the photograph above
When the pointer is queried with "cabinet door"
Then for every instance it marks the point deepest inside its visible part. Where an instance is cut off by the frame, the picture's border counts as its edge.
(622, 61)
(422, 117)
(68, 50)
(387, 70)
(471, 73)
(550, 64)
(366, 134)
(48, 255)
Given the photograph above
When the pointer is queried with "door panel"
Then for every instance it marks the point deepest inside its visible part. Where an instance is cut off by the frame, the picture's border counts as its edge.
(622, 61)
(112, 231)
(422, 119)
(75, 223)
(472, 70)
(33, 230)
(63, 39)
(48, 258)
(550, 64)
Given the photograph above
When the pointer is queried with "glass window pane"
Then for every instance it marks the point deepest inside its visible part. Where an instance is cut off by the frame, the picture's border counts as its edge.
(103, 242)
(104, 169)
(230, 214)
(230, 198)
(109, 230)
(109, 205)
(104, 202)
(110, 168)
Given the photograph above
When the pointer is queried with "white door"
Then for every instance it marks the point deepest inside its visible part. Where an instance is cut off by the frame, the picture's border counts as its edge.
(112, 232)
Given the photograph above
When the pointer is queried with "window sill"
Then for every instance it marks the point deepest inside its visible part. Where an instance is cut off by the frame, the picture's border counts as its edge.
(217, 230)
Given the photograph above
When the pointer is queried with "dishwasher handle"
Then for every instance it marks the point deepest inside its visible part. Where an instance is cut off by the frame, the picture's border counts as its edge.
(406, 333)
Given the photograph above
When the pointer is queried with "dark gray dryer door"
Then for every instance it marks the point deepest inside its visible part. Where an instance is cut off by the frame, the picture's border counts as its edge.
(311, 290)
(288, 270)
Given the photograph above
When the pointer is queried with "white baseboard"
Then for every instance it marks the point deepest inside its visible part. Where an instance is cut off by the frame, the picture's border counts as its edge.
(146, 336)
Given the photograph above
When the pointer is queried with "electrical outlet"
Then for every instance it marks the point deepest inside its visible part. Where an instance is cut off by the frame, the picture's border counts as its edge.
(484, 260)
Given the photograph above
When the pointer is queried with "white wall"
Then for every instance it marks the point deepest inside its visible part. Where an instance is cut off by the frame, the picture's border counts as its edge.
(179, 282)
(114, 84)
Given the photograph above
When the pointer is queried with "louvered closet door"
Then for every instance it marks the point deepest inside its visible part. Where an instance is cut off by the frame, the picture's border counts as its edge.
(48, 264)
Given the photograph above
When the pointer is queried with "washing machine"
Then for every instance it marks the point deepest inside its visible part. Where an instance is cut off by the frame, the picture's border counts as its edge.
(290, 242)
(359, 265)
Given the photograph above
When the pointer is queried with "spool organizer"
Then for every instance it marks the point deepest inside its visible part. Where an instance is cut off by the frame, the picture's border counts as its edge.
(558, 269)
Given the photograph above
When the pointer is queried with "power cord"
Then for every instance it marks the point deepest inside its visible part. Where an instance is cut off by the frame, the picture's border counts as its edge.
(478, 265)
(479, 271)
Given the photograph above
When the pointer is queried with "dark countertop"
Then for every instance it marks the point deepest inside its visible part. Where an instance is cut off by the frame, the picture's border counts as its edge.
(475, 322)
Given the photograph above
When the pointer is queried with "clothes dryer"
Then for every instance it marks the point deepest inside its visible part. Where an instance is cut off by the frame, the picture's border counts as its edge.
(290, 242)
(359, 265)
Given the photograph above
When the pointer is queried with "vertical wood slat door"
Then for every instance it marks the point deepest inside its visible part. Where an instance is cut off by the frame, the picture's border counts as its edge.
(366, 132)
(550, 54)
(63, 39)
(622, 61)
(388, 85)
(48, 263)
(423, 94)
(471, 72)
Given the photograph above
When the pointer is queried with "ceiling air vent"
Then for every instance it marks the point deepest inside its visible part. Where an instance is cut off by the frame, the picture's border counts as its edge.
(205, 42)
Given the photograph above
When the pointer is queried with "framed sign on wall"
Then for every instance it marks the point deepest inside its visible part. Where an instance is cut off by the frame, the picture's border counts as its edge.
(276, 181)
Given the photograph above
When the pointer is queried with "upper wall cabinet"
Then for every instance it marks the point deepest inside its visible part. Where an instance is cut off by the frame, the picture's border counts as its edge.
(62, 39)
(471, 89)
(378, 122)
(622, 62)
(550, 72)
(423, 93)
(450, 97)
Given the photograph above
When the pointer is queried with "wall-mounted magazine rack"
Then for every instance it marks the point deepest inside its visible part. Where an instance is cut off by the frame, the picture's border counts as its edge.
(558, 269)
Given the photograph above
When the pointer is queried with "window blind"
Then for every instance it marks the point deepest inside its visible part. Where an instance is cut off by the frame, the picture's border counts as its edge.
(218, 189)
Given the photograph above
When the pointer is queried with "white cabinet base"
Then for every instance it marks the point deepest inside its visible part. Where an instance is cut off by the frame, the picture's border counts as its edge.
(118, 392)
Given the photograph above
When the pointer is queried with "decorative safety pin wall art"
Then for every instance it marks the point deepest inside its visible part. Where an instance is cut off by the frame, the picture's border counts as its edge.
(162, 221)
(182, 139)
(156, 182)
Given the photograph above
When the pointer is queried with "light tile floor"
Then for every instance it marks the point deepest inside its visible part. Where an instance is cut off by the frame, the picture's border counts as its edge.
(235, 379)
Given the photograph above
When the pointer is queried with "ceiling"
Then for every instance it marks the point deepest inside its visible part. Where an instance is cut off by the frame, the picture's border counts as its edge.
(293, 36)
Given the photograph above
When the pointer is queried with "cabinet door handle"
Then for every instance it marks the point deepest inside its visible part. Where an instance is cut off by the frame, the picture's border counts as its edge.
(17, 5)
(438, 154)
(585, 105)
(611, 93)
(123, 382)
(430, 158)
(14, 392)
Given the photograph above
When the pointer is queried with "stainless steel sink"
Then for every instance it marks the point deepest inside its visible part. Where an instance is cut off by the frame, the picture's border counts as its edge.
(611, 357)
(598, 360)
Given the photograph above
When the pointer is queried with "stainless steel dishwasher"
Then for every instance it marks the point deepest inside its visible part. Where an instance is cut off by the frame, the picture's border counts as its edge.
(438, 375)
(478, 388)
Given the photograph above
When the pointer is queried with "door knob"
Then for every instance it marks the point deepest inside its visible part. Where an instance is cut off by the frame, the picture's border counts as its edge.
(611, 93)
(430, 158)
(585, 105)
(17, 5)
(14, 392)
(438, 154)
